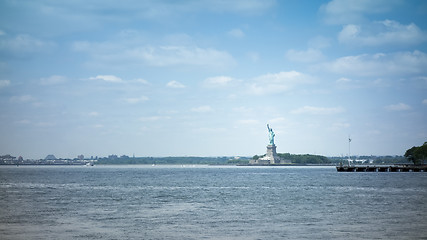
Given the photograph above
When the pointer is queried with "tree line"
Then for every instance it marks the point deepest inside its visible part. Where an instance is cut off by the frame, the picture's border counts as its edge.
(417, 155)
(163, 160)
(300, 158)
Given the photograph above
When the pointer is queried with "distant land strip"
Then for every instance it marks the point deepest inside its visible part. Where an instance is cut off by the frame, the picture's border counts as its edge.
(297, 159)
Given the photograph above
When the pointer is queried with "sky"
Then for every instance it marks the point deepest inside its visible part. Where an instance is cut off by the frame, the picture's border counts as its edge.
(204, 78)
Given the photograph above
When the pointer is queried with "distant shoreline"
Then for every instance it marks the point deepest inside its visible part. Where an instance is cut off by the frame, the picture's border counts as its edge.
(292, 160)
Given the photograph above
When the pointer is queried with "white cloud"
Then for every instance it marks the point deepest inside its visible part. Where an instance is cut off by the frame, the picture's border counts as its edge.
(398, 107)
(52, 80)
(133, 48)
(217, 82)
(202, 109)
(143, 81)
(348, 32)
(153, 118)
(243, 110)
(107, 78)
(378, 65)
(319, 42)
(158, 10)
(422, 79)
(136, 100)
(350, 11)
(23, 121)
(175, 84)
(236, 33)
(4, 83)
(47, 124)
(347, 83)
(24, 44)
(93, 114)
(184, 55)
(425, 102)
(125, 52)
(381, 33)
(238, 6)
(277, 120)
(84, 46)
(22, 98)
(149, 119)
(153, 10)
(317, 110)
(210, 130)
(310, 55)
(247, 122)
(253, 56)
(339, 126)
(277, 82)
(343, 80)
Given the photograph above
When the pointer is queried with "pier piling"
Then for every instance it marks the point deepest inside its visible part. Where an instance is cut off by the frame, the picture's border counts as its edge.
(382, 168)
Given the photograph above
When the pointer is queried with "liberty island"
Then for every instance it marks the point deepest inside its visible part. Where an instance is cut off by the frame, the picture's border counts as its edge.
(271, 157)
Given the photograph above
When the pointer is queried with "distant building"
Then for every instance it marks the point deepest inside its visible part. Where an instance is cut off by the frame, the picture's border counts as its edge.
(50, 157)
(7, 159)
(81, 157)
(271, 156)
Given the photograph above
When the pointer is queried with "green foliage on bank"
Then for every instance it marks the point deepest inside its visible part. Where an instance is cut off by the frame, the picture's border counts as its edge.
(417, 155)
(301, 158)
(163, 160)
(304, 158)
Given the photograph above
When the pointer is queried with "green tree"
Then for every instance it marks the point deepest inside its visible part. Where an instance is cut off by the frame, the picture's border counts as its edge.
(417, 155)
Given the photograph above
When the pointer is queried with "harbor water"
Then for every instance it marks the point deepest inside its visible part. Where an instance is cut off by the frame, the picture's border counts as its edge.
(210, 202)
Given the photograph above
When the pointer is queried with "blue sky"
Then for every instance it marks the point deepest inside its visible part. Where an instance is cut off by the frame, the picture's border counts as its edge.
(203, 78)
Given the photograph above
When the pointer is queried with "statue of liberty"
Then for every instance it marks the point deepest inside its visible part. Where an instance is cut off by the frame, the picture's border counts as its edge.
(271, 135)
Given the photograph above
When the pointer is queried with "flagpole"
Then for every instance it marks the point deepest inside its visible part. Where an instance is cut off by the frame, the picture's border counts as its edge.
(349, 153)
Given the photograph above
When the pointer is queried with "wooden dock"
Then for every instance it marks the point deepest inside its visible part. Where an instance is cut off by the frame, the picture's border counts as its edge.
(382, 168)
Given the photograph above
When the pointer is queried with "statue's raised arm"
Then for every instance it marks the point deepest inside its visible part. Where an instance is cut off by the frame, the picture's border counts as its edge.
(271, 134)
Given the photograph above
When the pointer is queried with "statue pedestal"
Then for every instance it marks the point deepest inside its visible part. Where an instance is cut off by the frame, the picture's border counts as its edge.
(269, 158)
(272, 154)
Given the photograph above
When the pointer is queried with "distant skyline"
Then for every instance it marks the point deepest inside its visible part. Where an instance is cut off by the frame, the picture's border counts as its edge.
(204, 78)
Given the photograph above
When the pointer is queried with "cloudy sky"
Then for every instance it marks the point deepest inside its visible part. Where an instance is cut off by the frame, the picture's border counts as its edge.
(203, 78)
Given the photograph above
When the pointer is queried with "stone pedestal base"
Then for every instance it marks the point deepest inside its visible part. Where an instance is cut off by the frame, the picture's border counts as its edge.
(271, 151)
(272, 154)
(270, 157)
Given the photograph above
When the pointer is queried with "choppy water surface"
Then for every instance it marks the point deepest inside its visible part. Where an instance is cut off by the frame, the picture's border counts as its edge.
(202, 202)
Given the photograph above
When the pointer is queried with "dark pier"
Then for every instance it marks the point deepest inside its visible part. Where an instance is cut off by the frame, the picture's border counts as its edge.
(382, 168)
